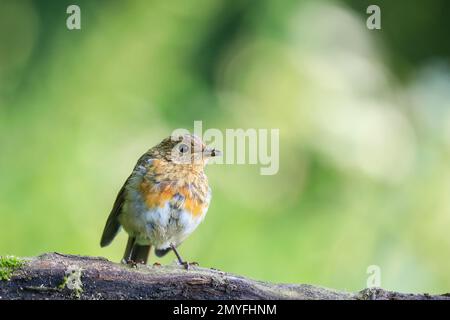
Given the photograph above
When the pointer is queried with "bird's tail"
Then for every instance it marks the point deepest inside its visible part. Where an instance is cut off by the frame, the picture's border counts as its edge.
(136, 253)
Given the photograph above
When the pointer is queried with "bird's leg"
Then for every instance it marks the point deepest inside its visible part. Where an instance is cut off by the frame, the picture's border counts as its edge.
(180, 260)
(128, 252)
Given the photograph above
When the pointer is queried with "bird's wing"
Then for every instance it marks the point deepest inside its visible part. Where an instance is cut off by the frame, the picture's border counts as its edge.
(112, 224)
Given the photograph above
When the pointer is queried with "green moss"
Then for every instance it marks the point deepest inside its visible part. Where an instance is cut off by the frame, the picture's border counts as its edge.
(9, 264)
(72, 281)
(63, 283)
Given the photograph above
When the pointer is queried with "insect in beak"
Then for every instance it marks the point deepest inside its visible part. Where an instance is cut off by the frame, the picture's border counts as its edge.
(212, 152)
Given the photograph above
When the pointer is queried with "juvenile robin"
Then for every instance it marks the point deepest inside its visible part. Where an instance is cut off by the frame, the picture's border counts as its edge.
(163, 200)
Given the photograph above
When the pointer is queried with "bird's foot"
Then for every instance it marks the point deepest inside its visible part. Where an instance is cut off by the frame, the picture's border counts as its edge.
(130, 263)
(180, 260)
(187, 265)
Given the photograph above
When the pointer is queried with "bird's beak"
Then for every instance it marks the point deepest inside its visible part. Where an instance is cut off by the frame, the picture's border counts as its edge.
(212, 152)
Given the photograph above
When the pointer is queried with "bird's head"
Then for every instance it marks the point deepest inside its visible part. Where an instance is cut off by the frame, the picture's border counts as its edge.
(187, 149)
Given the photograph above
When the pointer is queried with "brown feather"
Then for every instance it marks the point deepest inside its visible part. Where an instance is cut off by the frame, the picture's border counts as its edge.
(112, 225)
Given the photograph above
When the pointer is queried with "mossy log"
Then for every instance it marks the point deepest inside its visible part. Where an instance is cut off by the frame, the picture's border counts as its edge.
(60, 276)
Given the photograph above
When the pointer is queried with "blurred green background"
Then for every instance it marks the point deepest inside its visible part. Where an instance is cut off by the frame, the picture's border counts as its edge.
(364, 119)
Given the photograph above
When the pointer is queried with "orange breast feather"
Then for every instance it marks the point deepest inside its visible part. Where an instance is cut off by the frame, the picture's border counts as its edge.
(157, 197)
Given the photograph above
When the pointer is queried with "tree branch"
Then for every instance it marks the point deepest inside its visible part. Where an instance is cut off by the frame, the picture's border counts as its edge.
(60, 276)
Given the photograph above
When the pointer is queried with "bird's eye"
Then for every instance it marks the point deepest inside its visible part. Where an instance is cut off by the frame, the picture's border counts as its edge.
(183, 148)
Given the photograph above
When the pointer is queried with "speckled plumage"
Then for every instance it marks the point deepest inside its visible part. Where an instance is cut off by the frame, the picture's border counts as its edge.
(165, 198)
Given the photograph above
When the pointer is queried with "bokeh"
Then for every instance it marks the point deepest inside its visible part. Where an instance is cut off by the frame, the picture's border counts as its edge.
(364, 119)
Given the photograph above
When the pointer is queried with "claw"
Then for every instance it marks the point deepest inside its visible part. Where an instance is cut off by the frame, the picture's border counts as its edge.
(130, 263)
(187, 265)
(180, 260)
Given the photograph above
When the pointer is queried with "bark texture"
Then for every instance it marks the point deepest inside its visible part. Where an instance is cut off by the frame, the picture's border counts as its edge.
(60, 276)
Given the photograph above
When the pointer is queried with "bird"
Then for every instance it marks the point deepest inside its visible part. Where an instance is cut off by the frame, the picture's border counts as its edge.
(163, 200)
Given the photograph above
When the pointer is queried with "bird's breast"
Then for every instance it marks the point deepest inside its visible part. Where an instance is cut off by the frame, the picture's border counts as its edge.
(164, 203)
(163, 212)
(189, 197)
